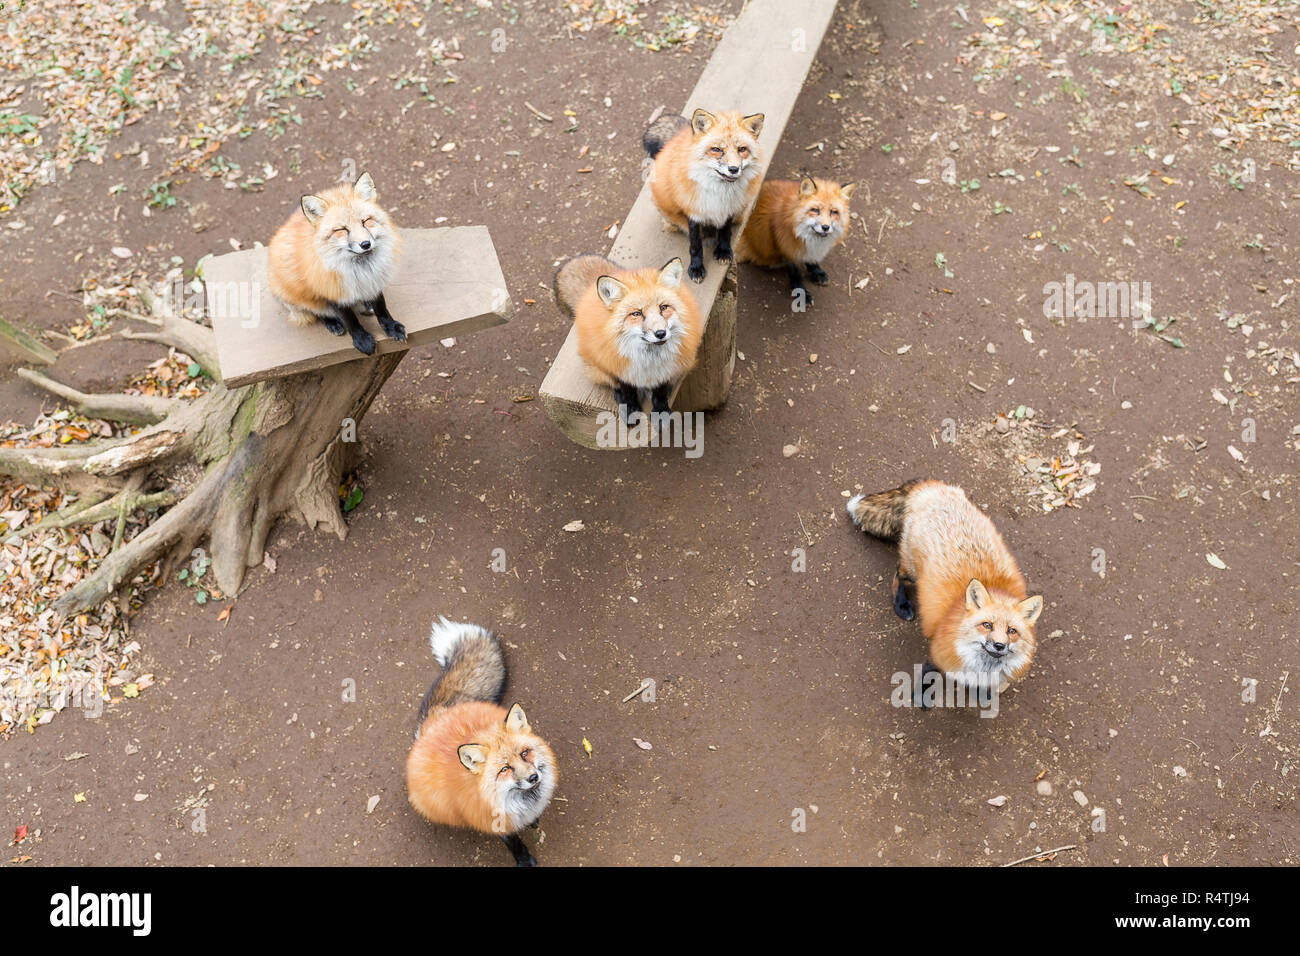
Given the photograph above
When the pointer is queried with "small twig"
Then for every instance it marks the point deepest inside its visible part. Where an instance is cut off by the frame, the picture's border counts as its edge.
(645, 684)
(877, 347)
(1035, 856)
(538, 113)
(978, 388)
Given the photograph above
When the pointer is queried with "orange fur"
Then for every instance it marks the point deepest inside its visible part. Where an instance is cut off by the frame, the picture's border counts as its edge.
(443, 790)
(968, 586)
(772, 235)
(600, 325)
(686, 155)
(307, 268)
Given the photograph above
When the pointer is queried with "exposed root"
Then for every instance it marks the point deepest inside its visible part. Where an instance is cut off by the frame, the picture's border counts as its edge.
(267, 450)
(129, 409)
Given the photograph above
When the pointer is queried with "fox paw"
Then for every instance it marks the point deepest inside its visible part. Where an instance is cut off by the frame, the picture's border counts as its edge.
(724, 254)
(364, 341)
(395, 331)
(902, 605)
(697, 272)
(818, 275)
(332, 325)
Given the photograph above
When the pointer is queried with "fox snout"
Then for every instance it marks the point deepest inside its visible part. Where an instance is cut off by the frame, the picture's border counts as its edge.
(654, 330)
(361, 245)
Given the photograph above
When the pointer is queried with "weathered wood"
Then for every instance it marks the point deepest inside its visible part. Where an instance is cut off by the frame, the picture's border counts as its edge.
(448, 283)
(15, 340)
(759, 67)
(707, 385)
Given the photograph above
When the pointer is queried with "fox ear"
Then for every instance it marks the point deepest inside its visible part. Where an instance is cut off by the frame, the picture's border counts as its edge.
(517, 719)
(976, 595)
(610, 289)
(807, 186)
(702, 121)
(753, 123)
(1031, 608)
(365, 188)
(472, 756)
(671, 274)
(313, 207)
(848, 189)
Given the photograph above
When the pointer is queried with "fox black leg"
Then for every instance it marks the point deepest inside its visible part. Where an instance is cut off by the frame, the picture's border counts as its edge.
(904, 596)
(629, 404)
(363, 340)
(695, 234)
(519, 851)
(333, 324)
(722, 245)
(659, 397)
(392, 328)
(798, 291)
(918, 692)
(817, 273)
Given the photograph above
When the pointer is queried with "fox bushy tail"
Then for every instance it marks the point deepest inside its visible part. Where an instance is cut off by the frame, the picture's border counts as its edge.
(661, 131)
(882, 514)
(473, 667)
(578, 274)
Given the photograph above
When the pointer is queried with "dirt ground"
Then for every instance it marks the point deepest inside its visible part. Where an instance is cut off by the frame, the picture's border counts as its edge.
(772, 685)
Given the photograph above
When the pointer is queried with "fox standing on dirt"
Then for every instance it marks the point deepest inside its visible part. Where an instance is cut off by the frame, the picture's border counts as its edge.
(333, 257)
(955, 568)
(473, 764)
(794, 224)
(638, 330)
(707, 171)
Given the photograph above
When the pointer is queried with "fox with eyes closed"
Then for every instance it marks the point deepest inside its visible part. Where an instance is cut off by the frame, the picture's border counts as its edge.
(332, 259)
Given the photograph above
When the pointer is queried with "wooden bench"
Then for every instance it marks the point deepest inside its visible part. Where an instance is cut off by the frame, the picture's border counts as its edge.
(759, 67)
(448, 283)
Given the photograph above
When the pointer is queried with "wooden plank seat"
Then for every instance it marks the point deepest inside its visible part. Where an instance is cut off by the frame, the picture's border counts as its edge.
(448, 283)
(759, 67)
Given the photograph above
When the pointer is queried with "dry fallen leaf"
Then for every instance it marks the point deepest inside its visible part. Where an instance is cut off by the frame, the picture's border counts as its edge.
(1216, 561)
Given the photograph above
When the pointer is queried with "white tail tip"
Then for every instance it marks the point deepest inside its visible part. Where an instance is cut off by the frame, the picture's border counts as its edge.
(852, 507)
(446, 635)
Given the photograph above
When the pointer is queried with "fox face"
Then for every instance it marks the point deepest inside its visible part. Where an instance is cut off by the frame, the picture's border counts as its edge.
(996, 634)
(645, 313)
(822, 211)
(351, 230)
(726, 145)
(516, 771)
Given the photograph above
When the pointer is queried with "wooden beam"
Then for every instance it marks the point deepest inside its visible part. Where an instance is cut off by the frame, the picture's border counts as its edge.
(448, 283)
(759, 67)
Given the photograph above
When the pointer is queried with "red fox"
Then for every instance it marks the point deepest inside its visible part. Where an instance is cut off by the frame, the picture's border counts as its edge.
(474, 764)
(334, 256)
(954, 566)
(707, 171)
(796, 223)
(638, 330)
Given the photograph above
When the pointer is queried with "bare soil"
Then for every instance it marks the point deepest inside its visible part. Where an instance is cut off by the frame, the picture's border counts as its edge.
(772, 685)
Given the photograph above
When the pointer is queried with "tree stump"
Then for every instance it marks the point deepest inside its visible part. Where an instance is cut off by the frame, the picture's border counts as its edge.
(233, 461)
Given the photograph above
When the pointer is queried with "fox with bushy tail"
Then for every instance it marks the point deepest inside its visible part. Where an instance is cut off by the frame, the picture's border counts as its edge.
(707, 170)
(638, 330)
(955, 570)
(474, 764)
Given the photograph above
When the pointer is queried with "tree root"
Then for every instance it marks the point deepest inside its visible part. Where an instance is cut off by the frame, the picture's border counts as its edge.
(229, 464)
(128, 409)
